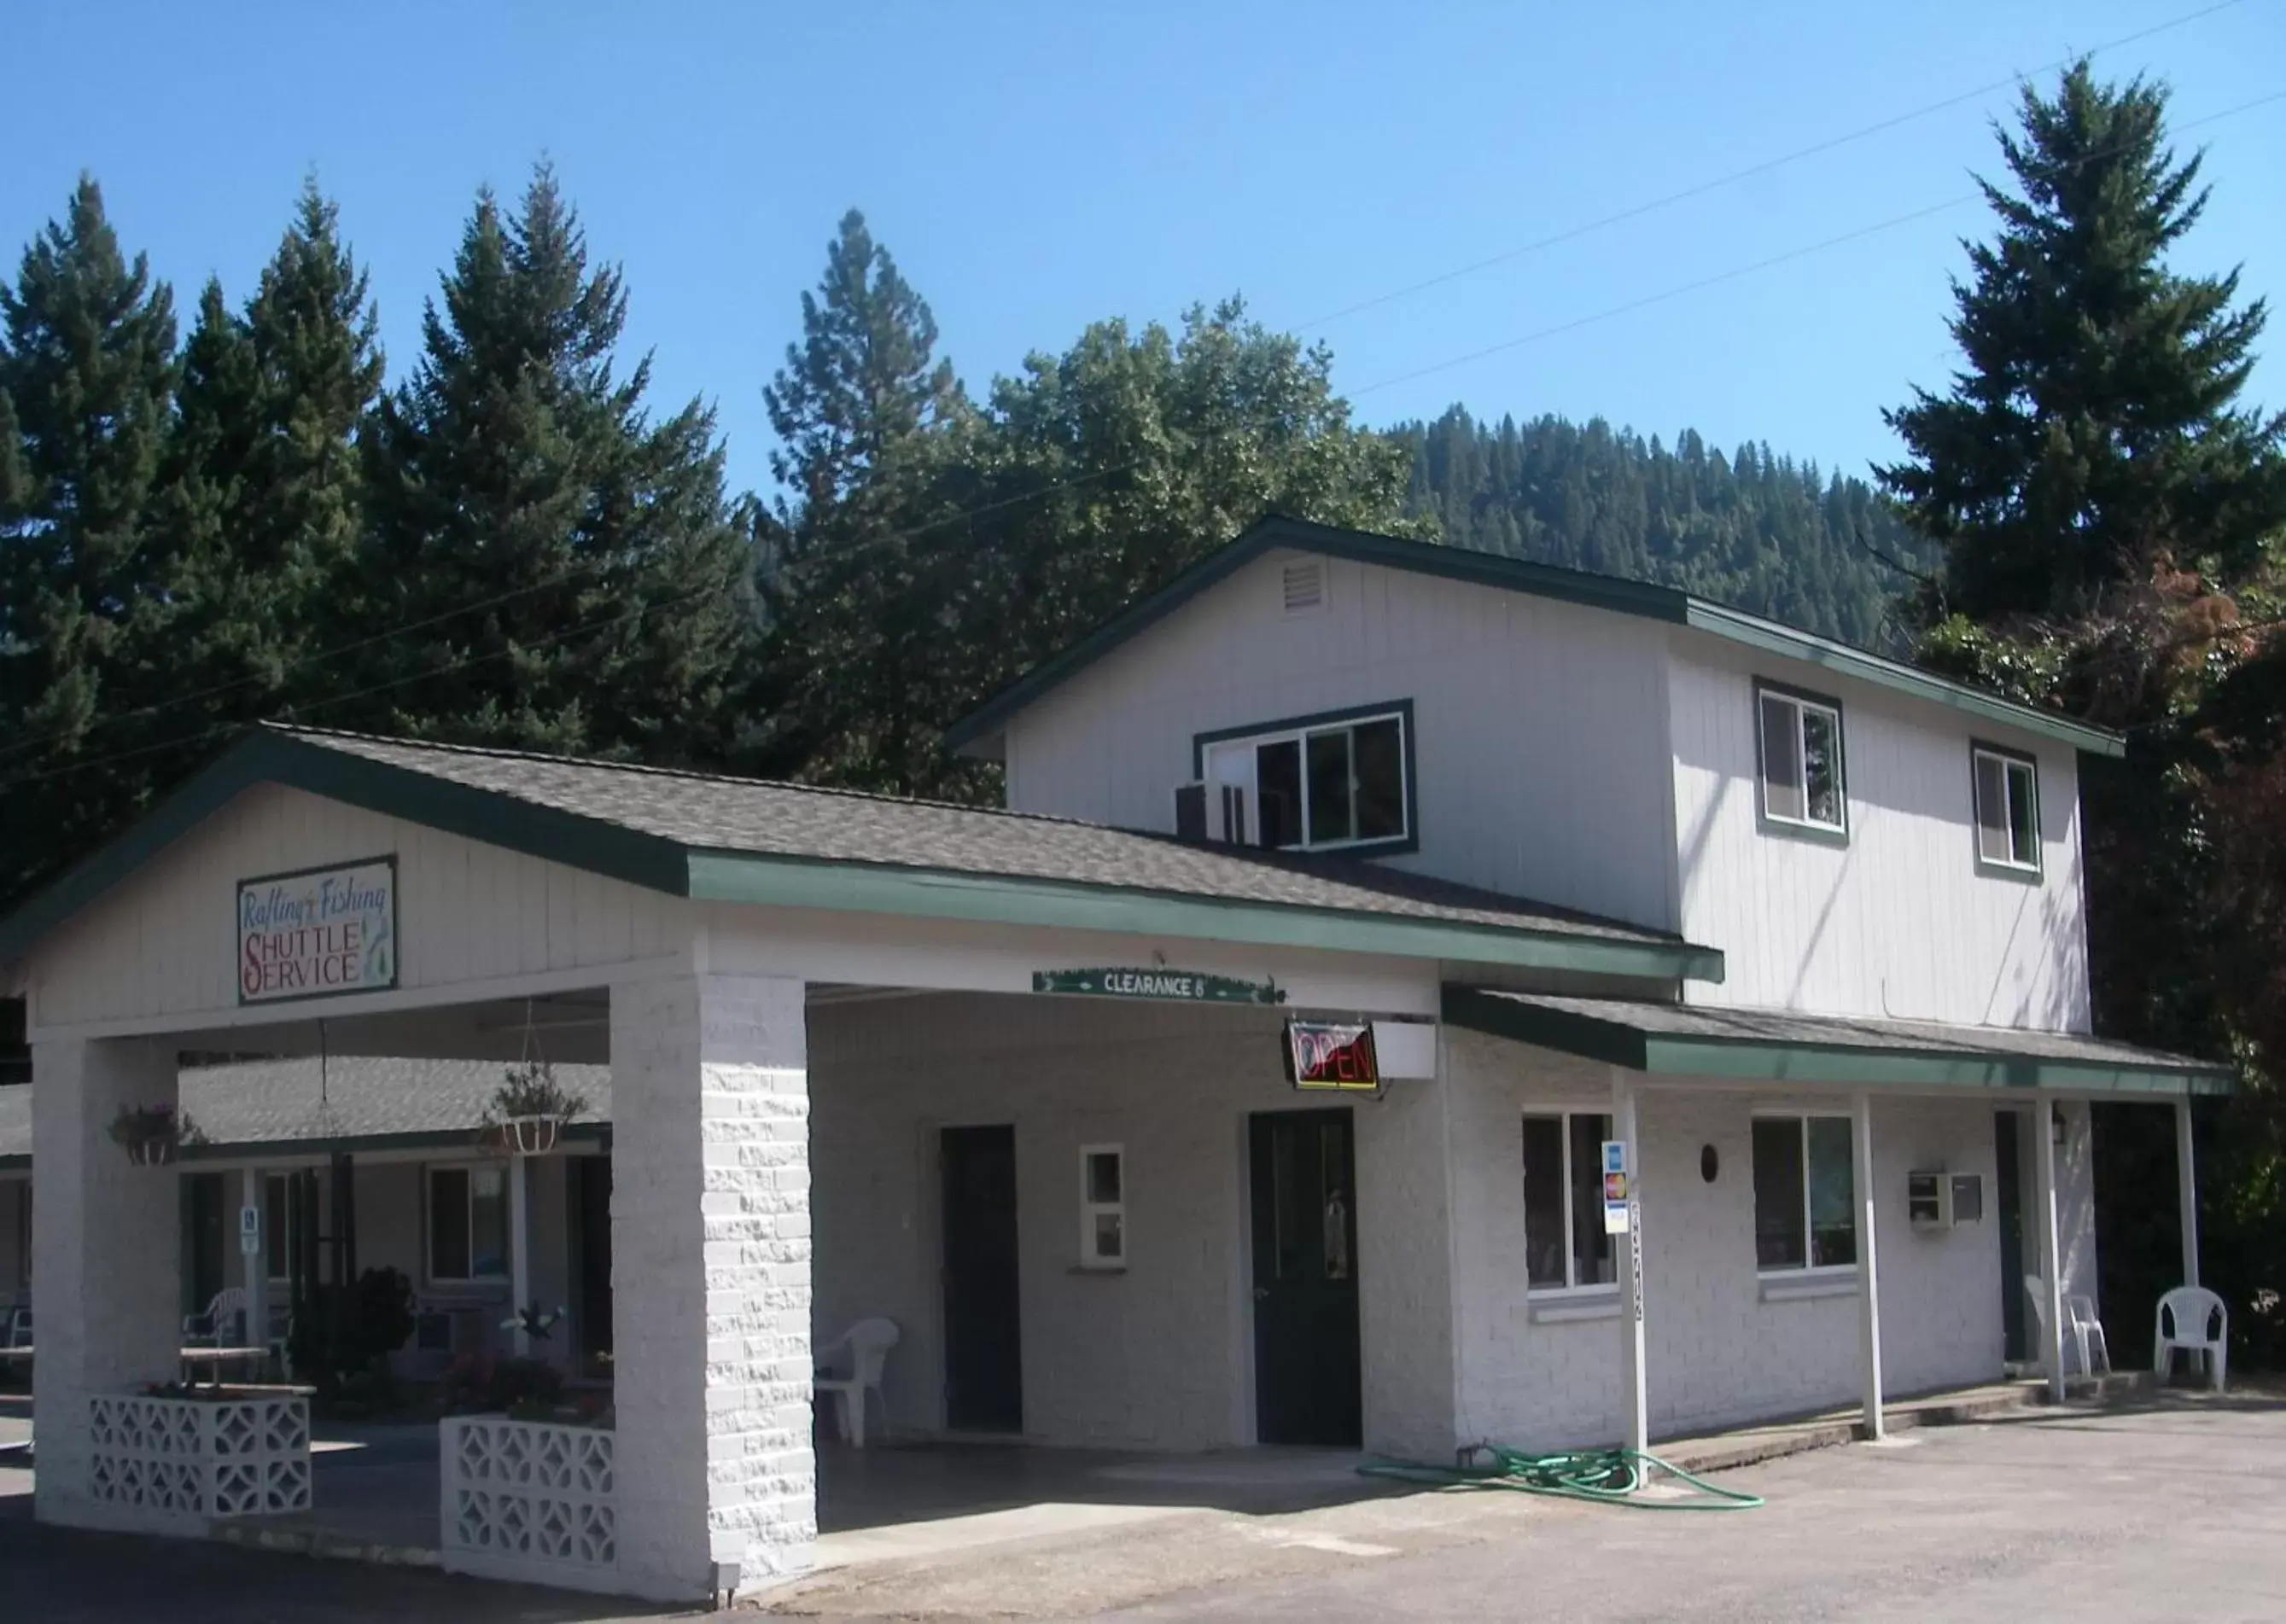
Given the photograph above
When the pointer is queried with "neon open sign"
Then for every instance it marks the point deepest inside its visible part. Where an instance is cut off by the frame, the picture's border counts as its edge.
(1336, 1055)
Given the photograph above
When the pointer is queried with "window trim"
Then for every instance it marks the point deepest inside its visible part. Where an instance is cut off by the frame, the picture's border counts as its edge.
(1800, 829)
(469, 1169)
(1806, 1270)
(1089, 1210)
(2028, 874)
(1296, 727)
(1571, 1290)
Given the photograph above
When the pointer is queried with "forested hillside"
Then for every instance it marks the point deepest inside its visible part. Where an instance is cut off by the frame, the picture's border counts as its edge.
(1749, 529)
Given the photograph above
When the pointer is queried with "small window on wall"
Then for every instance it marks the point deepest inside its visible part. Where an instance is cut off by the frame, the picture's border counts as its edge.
(468, 1224)
(1805, 1194)
(1565, 1246)
(2007, 811)
(1801, 746)
(1102, 1206)
(1318, 784)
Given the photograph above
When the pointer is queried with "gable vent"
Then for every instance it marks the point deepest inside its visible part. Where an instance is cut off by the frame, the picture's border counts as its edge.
(1305, 585)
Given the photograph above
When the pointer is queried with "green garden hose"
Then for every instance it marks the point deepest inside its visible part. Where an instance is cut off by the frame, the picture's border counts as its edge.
(1605, 1477)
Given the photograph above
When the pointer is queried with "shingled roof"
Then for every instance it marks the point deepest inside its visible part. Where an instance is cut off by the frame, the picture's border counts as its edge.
(748, 840)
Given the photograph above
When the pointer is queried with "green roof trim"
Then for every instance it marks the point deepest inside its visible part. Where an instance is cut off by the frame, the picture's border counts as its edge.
(798, 882)
(1616, 1041)
(657, 863)
(1641, 598)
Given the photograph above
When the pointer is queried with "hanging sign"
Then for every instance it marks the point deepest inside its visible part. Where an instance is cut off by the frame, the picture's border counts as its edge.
(249, 1231)
(317, 932)
(1332, 1057)
(1182, 986)
(1616, 1211)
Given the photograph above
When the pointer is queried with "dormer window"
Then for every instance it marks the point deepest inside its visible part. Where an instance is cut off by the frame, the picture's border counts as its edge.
(1340, 781)
(1800, 743)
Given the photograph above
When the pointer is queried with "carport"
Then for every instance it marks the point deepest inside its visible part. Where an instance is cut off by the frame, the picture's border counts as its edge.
(807, 1000)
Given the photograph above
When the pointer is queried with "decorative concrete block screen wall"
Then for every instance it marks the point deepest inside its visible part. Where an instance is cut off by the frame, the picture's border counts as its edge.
(530, 1500)
(168, 1465)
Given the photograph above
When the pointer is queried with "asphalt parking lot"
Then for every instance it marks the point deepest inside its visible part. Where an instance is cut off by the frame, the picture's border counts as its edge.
(2173, 1509)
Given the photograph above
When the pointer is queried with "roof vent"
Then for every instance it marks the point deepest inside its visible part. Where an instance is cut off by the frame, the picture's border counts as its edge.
(1305, 585)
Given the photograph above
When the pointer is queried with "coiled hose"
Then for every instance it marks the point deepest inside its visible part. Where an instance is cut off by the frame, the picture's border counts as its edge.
(1604, 1477)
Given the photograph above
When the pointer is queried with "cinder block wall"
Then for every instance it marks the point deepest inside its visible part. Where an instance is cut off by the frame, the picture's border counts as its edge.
(1159, 1357)
(1718, 1353)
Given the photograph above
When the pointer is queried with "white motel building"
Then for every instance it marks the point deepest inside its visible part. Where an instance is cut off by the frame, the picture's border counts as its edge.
(1521, 860)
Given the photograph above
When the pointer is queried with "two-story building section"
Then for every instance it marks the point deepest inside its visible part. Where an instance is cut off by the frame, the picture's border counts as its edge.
(1888, 862)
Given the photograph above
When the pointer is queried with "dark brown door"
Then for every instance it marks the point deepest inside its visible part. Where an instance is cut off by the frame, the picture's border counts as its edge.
(591, 1226)
(983, 1346)
(1306, 1376)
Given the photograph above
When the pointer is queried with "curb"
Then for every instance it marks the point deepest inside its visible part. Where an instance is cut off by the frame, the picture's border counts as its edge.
(318, 1542)
(1720, 1455)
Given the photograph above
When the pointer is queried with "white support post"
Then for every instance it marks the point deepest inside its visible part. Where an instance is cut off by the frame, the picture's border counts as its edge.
(519, 1250)
(1631, 1261)
(710, 1285)
(257, 1275)
(1869, 1274)
(106, 1254)
(2052, 1283)
(2186, 1190)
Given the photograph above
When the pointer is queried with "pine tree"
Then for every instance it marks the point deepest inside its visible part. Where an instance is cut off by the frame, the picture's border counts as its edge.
(855, 582)
(86, 374)
(565, 568)
(2094, 430)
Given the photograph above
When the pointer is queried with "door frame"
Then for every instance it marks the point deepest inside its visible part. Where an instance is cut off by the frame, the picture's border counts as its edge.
(1246, 1346)
(935, 1269)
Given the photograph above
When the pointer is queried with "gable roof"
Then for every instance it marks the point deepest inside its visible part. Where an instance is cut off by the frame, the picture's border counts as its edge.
(721, 839)
(348, 1103)
(975, 733)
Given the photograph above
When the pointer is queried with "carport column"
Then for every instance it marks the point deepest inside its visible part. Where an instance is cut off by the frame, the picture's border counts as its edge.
(710, 1279)
(106, 1252)
(519, 1251)
(1869, 1274)
(2051, 1253)
(2186, 1190)
(1631, 1261)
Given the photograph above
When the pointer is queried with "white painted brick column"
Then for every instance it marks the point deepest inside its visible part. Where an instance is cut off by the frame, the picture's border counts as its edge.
(105, 1257)
(711, 1282)
(1404, 1272)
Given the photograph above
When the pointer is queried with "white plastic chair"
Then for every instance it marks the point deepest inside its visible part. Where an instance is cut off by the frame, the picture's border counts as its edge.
(227, 1312)
(18, 1332)
(2083, 1330)
(2186, 1316)
(867, 1343)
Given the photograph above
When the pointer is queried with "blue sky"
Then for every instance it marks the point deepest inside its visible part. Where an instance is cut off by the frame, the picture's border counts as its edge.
(1036, 167)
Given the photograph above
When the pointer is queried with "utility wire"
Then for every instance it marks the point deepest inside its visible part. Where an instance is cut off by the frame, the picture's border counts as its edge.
(1637, 211)
(1632, 305)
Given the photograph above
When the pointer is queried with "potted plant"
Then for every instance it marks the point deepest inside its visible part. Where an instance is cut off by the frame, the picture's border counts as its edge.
(528, 1110)
(152, 1134)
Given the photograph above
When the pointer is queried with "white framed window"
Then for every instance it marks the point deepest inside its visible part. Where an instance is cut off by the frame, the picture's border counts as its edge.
(1805, 1193)
(468, 1224)
(1316, 783)
(283, 1239)
(2007, 808)
(1800, 745)
(1102, 1206)
(1565, 1246)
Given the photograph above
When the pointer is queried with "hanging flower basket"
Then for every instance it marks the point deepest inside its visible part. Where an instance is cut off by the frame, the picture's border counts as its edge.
(152, 1134)
(528, 1111)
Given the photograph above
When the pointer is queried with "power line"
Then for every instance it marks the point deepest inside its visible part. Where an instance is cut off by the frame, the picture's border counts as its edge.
(1637, 211)
(1632, 305)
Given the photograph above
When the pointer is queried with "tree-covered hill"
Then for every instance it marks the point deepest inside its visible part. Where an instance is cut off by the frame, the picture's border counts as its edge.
(1759, 531)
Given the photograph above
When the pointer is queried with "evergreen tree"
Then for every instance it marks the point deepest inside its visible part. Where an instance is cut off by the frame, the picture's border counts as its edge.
(86, 374)
(565, 568)
(2092, 431)
(852, 583)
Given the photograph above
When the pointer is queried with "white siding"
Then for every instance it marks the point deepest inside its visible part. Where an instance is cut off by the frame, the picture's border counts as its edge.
(1718, 1354)
(165, 942)
(1898, 924)
(1540, 744)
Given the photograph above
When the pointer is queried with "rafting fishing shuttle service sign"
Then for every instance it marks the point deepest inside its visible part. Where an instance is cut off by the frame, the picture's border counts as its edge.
(317, 932)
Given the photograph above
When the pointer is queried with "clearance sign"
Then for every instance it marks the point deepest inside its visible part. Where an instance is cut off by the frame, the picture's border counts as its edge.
(317, 932)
